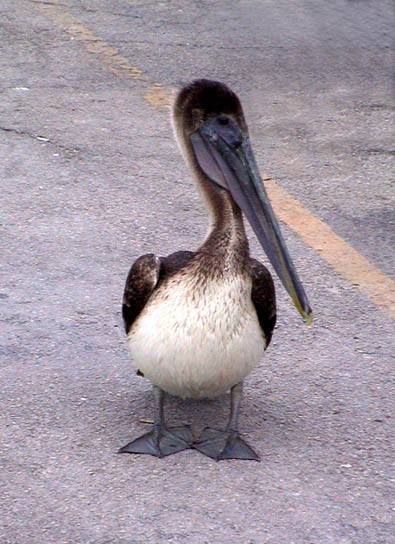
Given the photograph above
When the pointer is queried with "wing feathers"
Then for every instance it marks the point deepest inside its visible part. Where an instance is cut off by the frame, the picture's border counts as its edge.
(140, 283)
(264, 298)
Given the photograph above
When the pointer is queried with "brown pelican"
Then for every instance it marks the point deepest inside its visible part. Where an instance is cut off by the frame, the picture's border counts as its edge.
(198, 322)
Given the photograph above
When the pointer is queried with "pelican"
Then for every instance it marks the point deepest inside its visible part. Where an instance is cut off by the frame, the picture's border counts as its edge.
(197, 322)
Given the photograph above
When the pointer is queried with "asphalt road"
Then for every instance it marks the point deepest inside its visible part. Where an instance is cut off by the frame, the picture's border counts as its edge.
(91, 178)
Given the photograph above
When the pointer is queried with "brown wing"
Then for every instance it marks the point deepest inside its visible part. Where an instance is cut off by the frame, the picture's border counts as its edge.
(140, 283)
(264, 298)
(146, 273)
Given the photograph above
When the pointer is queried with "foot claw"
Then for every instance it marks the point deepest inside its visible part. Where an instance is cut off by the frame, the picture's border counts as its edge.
(171, 440)
(221, 445)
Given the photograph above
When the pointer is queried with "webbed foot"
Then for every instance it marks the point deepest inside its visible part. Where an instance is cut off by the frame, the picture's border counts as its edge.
(161, 441)
(226, 444)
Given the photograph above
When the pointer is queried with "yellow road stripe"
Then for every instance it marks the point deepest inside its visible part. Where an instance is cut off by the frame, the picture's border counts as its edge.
(317, 234)
(338, 253)
(156, 95)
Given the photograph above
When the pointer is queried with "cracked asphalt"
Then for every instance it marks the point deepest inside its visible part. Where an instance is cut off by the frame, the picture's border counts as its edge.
(91, 178)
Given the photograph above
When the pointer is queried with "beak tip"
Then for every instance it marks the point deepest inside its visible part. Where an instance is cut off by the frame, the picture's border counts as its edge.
(308, 318)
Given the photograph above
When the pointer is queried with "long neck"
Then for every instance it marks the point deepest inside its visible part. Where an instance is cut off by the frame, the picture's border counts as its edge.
(226, 241)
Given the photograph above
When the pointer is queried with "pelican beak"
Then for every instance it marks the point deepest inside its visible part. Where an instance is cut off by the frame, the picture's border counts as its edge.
(225, 155)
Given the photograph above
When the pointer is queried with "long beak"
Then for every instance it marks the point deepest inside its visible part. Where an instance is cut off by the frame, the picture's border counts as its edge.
(225, 155)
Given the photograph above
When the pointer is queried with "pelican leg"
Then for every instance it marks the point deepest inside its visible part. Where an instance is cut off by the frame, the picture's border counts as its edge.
(227, 444)
(161, 441)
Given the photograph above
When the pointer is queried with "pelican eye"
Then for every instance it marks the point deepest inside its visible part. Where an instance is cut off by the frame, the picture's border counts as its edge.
(222, 120)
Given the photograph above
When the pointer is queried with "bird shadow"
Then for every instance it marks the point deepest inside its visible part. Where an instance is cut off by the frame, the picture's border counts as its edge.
(117, 414)
(135, 416)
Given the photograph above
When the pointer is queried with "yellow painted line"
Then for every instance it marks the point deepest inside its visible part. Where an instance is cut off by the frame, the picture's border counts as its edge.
(317, 234)
(156, 94)
(338, 253)
(159, 97)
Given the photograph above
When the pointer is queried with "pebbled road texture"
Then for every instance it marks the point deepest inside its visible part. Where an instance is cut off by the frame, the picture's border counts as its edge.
(91, 178)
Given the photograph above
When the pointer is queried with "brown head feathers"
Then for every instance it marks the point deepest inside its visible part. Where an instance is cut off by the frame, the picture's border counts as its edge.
(202, 98)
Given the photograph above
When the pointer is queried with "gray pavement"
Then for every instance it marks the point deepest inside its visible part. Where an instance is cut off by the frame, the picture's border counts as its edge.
(91, 178)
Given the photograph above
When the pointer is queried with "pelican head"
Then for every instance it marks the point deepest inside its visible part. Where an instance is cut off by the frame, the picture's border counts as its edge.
(210, 126)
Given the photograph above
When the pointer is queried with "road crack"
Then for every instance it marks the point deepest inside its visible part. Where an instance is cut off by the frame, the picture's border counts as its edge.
(43, 139)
